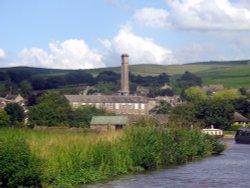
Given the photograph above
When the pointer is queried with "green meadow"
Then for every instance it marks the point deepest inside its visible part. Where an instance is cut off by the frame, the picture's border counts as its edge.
(232, 74)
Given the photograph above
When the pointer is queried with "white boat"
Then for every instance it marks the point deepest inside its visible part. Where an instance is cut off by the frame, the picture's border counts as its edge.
(218, 133)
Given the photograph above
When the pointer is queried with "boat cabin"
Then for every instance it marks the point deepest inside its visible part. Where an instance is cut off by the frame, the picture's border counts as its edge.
(218, 133)
(242, 135)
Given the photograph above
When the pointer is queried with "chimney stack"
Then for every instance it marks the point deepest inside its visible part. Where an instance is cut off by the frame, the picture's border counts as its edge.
(124, 75)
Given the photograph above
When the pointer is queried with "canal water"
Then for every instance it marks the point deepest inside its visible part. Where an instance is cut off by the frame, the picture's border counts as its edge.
(231, 169)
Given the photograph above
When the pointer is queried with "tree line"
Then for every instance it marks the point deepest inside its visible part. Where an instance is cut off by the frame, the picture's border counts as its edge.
(106, 82)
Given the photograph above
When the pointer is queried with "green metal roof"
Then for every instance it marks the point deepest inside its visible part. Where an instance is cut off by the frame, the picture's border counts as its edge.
(112, 120)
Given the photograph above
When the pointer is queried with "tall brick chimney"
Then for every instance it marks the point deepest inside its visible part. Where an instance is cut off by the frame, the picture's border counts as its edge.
(124, 75)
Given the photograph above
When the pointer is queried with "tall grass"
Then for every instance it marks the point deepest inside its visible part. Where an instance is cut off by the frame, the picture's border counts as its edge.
(72, 158)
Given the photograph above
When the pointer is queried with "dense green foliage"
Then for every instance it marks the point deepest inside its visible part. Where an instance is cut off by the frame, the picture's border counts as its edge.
(16, 113)
(163, 108)
(51, 110)
(206, 112)
(26, 88)
(188, 80)
(18, 166)
(4, 118)
(217, 112)
(83, 158)
(81, 116)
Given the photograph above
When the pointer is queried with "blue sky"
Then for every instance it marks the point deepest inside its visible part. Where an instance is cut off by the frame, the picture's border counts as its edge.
(81, 34)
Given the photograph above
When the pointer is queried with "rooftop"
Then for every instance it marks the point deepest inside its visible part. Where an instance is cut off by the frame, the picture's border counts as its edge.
(106, 120)
(105, 99)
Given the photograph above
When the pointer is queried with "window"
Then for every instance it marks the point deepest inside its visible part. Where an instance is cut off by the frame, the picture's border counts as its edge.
(130, 106)
(136, 106)
(117, 105)
(109, 105)
(142, 106)
(123, 106)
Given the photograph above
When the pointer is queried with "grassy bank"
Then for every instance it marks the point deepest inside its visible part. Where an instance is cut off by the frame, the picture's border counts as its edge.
(71, 158)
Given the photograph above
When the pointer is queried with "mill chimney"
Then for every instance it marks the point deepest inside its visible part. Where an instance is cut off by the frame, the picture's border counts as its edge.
(124, 75)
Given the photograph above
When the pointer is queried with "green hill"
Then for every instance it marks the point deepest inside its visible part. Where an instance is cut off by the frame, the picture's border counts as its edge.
(228, 73)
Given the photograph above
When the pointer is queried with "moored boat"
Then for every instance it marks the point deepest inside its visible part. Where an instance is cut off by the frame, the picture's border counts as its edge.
(217, 133)
(242, 135)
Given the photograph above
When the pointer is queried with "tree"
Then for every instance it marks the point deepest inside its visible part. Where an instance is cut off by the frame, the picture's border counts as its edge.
(167, 92)
(241, 105)
(107, 88)
(188, 80)
(163, 78)
(163, 108)
(227, 94)
(26, 88)
(51, 109)
(17, 76)
(184, 115)
(32, 99)
(81, 116)
(79, 76)
(108, 76)
(214, 111)
(16, 113)
(4, 118)
(194, 94)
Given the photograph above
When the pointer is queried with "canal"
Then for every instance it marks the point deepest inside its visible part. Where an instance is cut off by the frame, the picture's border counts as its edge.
(231, 169)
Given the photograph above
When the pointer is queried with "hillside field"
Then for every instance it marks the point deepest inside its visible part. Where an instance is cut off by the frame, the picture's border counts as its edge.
(232, 74)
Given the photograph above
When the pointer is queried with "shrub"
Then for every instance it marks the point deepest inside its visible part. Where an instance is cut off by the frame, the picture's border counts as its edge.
(18, 166)
(4, 118)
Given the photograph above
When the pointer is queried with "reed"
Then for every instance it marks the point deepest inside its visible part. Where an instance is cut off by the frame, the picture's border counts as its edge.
(72, 157)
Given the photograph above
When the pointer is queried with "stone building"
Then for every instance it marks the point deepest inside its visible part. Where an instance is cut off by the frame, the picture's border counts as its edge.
(117, 104)
(106, 123)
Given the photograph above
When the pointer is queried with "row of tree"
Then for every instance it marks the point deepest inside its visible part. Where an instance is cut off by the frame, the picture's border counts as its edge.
(106, 82)
(206, 110)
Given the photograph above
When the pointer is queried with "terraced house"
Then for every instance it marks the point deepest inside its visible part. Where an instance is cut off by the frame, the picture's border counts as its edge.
(117, 104)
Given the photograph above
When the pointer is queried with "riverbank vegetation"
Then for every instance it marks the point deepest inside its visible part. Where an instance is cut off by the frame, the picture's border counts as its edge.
(69, 158)
(203, 109)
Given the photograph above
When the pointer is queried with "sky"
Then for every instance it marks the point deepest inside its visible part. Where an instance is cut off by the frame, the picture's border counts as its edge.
(86, 34)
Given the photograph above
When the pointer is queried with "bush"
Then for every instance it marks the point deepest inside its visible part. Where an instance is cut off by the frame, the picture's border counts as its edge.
(4, 118)
(18, 166)
(16, 113)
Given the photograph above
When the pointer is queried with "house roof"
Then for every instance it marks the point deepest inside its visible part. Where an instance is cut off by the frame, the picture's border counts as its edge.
(105, 120)
(240, 118)
(2, 99)
(105, 99)
(11, 97)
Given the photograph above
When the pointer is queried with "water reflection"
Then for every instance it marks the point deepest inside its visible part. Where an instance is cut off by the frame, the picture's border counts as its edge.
(231, 170)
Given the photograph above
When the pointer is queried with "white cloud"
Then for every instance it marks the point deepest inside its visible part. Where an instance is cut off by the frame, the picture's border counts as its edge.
(152, 17)
(2, 54)
(198, 15)
(140, 50)
(70, 54)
